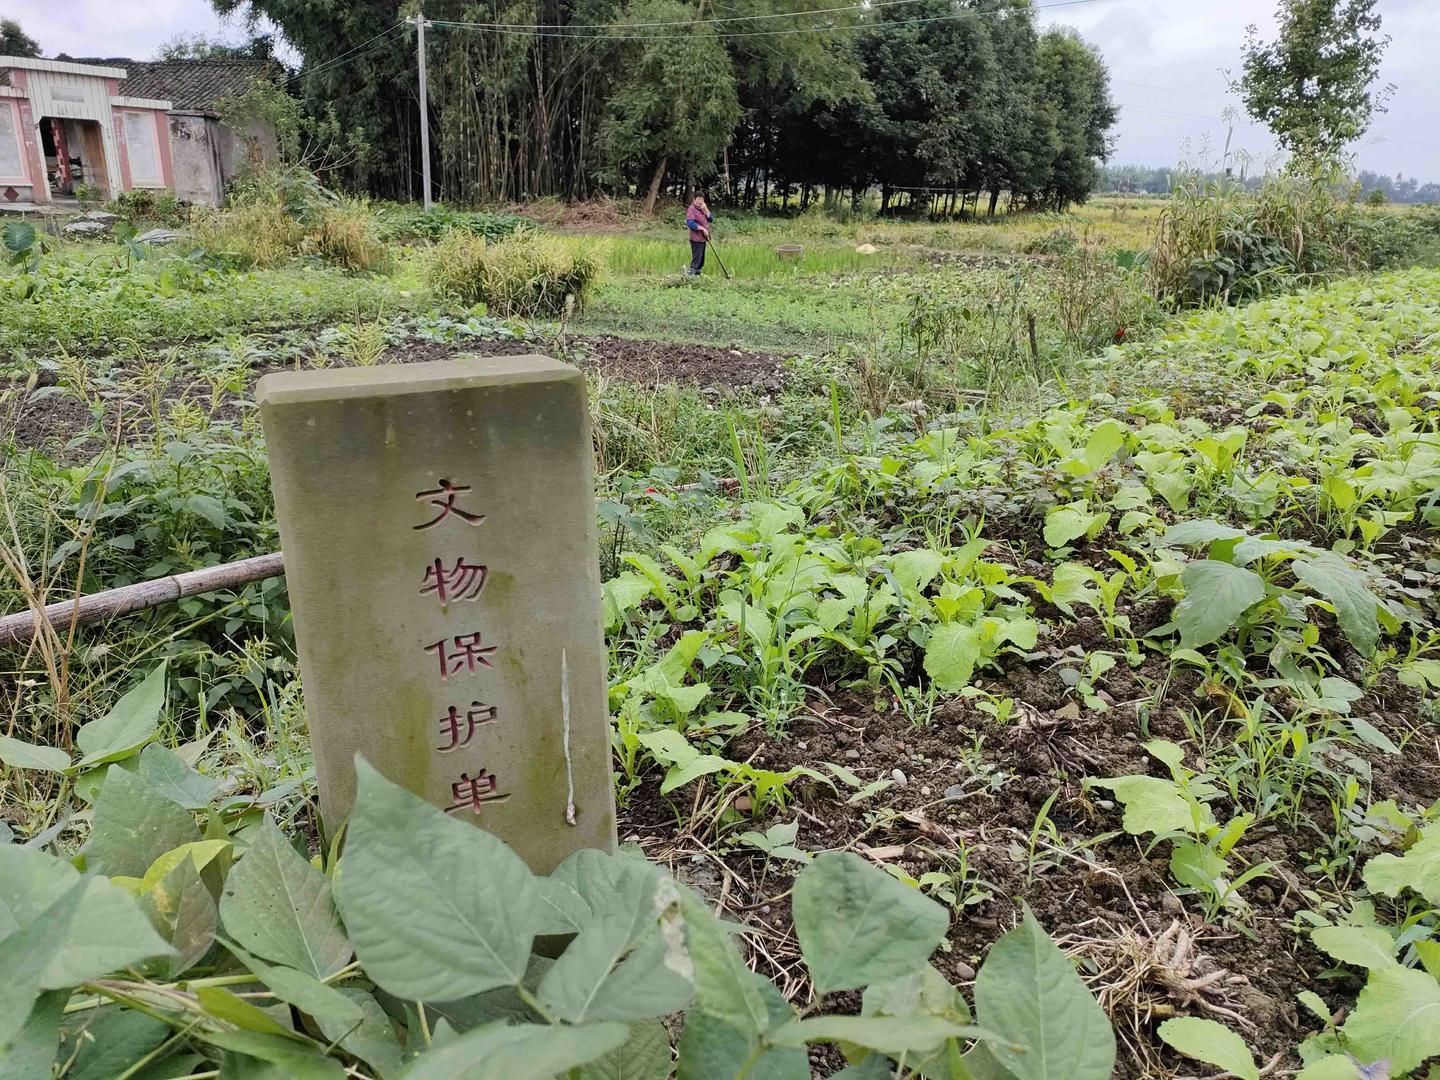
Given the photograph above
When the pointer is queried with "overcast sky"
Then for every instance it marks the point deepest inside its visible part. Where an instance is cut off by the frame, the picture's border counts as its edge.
(1167, 60)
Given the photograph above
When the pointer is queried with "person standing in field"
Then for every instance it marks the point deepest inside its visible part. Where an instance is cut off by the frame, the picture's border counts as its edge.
(697, 219)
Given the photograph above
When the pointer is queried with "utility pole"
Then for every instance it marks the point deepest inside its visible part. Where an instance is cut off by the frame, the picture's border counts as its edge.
(420, 23)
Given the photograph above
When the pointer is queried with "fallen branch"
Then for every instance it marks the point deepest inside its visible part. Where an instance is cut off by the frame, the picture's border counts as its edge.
(22, 626)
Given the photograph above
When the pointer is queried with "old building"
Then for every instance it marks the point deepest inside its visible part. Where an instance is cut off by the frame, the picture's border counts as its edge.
(69, 128)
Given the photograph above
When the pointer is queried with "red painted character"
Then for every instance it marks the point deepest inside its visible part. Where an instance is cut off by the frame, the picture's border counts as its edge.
(446, 504)
(470, 793)
(452, 722)
(463, 581)
(469, 653)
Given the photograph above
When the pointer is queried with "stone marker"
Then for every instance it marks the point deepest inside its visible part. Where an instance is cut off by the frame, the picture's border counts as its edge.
(438, 524)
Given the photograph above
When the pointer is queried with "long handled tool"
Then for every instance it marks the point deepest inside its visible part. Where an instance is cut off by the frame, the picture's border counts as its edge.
(711, 244)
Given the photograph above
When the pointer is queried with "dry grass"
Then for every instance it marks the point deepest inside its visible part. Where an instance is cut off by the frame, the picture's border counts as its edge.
(525, 275)
(347, 234)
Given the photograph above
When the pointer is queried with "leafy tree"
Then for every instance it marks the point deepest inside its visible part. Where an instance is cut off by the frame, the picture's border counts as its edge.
(1312, 85)
(199, 47)
(674, 104)
(15, 42)
(1077, 109)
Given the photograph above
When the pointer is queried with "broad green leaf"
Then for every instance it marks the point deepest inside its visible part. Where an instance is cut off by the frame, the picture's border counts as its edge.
(1196, 866)
(562, 909)
(373, 1041)
(23, 755)
(1073, 583)
(520, 1052)
(1028, 994)
(856, 924)
(134, 826)
(711, 1048)
(914, 570)
(644, 1056)
(278, 906)
(686, 763)
(207, 507)
(1429, 954)
(1316, 1004)
(437, 908)
(199, 853)
(111, 1040)
(923, 992)
(1152, 804)
(302, 990)
(1347, 589)
(892, 1035)
(951, 655)
(164, 770)
(125, 728)
(1396, 1018)
(1216, 595)
(1212, 1043)
(1364, 946)
(1065, 524)
(107, 932)
(31, 1053)
(30, 881)
(1107, 438)
(293, 1059)
(724, 987)
(225, 1005)
(591, 981)
(1418, 869)
(181, 908)
(1190, 533)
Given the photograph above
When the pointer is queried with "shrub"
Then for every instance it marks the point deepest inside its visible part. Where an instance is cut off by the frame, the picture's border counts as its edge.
(255, 234)
(346, 234)
(1217, 241)
(151, 208)
(526, 275)
(1061, 241)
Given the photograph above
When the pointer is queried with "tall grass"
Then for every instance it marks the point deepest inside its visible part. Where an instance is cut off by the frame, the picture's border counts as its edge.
(528, 274)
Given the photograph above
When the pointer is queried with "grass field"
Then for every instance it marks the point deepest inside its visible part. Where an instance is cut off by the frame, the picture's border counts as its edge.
(1086, 644)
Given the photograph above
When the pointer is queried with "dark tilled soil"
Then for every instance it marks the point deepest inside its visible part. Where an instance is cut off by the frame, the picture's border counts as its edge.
(648, 363)
(964, 799)
(49, 419)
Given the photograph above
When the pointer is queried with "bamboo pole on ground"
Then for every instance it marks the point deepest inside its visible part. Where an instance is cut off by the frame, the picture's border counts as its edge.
(22, 626)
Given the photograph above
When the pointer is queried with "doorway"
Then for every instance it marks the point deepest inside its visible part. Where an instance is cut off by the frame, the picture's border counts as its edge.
(74, 157)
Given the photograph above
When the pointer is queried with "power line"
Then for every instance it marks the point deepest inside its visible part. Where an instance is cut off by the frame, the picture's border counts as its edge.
(348, 54)
(544, 31)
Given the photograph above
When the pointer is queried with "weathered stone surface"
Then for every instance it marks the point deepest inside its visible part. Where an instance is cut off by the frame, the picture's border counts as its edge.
(160, 237)
(438, 524)
(104, 217)
(81, 227)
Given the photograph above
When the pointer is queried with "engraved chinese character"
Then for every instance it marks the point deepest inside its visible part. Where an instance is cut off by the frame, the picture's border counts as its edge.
(445, 503)
(463, 581)
(452, 724)
(468, 653)
(470, 793)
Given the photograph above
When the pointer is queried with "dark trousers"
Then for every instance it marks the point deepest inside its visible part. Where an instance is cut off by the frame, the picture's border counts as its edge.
(697, 255)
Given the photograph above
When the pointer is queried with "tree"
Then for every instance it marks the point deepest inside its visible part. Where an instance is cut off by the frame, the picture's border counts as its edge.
(1077, 112)
(15, 42)
(199, 47)
(1312, 85)
(675, 102)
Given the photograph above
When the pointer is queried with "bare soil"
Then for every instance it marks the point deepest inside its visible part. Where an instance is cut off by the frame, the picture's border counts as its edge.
(965, 796)
(48, 418)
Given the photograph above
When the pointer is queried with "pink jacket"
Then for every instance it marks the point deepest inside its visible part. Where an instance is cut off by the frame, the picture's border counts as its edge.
(698, 219)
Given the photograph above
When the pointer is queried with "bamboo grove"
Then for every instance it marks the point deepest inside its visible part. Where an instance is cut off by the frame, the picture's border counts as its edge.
(768, 99)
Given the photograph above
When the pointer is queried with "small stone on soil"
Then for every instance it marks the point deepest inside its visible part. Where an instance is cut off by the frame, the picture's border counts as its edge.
(925, 790)
(900, 779)
(852, 755)
(954, 791)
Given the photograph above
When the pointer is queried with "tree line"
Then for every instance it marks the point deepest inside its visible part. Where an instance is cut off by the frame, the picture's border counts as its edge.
(765, 99)
(1365, 184)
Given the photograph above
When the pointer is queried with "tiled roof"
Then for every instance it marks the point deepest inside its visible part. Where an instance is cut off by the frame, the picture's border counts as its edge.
(194, 85)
